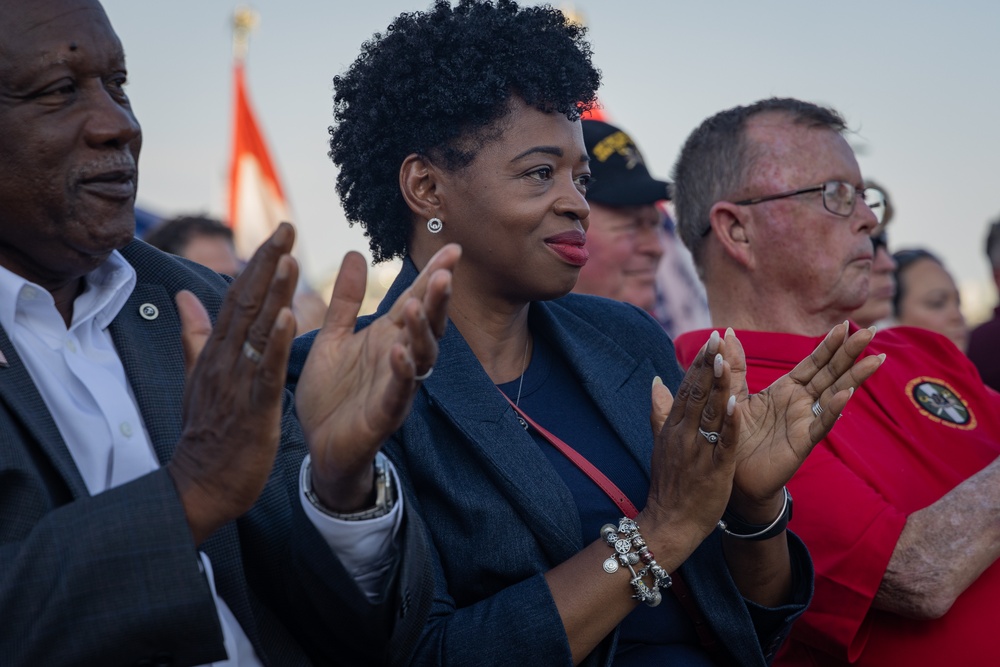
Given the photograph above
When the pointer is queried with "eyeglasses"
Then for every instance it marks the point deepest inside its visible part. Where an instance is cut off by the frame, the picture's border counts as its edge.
(838, 198)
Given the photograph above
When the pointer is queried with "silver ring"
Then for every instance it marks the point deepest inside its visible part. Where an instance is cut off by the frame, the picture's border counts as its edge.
(421, 378)
(251, 353)
(711, 436)
(817, 410)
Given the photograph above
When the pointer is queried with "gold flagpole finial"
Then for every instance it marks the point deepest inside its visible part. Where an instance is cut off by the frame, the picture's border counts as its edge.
(572, 14)
(245, 20)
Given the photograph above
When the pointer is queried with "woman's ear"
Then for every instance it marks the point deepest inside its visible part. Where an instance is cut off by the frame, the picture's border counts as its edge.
(423, 186)
(419, 183)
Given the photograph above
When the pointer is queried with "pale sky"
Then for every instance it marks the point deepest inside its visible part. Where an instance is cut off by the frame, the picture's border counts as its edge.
(917, 80)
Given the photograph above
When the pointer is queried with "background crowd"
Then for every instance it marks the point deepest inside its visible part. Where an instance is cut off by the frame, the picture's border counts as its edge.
(662, 76)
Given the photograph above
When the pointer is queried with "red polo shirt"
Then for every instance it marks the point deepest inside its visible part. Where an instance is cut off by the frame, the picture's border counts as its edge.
(916, 429)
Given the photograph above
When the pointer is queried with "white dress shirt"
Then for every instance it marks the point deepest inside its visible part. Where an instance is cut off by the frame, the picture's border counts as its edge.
(82, 381)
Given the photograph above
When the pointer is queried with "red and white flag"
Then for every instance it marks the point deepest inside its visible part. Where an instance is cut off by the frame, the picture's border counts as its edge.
(256, 199)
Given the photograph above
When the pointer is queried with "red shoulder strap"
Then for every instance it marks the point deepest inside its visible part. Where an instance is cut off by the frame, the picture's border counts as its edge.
(680, 589)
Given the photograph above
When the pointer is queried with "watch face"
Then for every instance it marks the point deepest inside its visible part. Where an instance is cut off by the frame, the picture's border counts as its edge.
(385, 497)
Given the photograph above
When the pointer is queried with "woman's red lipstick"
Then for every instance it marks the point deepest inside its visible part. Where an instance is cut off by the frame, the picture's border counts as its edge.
(570, 246)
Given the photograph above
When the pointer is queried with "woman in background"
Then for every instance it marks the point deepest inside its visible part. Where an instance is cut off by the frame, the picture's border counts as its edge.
(926, 296)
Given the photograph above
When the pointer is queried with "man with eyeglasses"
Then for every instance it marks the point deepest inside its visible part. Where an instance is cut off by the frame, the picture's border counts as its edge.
(900, 504)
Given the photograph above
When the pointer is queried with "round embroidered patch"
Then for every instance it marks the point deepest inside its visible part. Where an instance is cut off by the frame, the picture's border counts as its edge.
(939, 402)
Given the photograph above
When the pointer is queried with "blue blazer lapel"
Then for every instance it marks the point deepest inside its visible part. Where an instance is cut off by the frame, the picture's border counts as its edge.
(152, 354)
(153, 357)
(18, 392)
(615, 380)
(462, 390)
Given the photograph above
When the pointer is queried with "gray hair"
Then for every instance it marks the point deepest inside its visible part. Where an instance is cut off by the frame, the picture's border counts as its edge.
(716, 160)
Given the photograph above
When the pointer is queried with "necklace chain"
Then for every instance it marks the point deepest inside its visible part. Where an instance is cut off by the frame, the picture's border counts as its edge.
(524, 359)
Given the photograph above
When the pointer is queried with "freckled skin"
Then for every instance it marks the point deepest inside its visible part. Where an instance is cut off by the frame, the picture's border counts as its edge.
(804, 268)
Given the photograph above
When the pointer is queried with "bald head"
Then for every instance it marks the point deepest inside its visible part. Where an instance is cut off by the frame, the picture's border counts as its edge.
(23, 21)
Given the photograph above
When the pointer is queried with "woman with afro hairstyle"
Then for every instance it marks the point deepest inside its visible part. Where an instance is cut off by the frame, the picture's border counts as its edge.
(460, 125)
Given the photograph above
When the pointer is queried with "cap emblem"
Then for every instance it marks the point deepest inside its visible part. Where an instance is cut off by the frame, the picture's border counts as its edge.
(620, 143)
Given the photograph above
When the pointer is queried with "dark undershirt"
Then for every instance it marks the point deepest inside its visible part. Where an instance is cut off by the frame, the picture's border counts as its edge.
(551, 396)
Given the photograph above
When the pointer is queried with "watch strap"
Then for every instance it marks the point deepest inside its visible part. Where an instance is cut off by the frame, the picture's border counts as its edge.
(385, 493)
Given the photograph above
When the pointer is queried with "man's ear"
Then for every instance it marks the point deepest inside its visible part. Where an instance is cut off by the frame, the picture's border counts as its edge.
(419, 182)
(730, 225)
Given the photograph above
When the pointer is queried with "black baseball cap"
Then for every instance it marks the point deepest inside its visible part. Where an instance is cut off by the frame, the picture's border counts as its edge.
(620, 175)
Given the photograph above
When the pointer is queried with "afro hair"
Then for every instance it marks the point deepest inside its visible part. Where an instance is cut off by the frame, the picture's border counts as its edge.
(436, 83)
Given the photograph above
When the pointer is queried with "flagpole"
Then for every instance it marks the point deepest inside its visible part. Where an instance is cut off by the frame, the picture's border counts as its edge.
(245, 21)
(257, 200)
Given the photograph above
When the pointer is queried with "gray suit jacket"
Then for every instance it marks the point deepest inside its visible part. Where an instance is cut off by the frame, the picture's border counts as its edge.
(500, 516)
(115, 579)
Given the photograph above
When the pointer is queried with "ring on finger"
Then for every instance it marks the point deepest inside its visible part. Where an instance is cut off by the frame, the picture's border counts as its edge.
(816, 408)
(252, 353)
(711, 436)
(421, 378)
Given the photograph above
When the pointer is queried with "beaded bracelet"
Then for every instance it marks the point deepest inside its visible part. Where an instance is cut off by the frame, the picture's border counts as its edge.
(622, 539)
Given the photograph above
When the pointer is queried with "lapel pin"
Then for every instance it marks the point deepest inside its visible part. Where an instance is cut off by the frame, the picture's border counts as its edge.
(149, 311)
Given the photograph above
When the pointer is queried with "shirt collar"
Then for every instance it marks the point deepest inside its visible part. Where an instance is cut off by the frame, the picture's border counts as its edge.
(105, 292)
(781, 348)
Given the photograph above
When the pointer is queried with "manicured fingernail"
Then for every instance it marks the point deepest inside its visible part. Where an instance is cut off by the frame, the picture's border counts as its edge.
(850, 392)
(881, 358)
(731, 405)
(717, 366)
(873, 329)
(657, 380)
(730, 332)
(282, 271)
(713, 342)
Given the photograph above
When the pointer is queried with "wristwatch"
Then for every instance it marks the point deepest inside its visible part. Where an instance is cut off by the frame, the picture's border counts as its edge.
(734, 526)
(385, 493)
